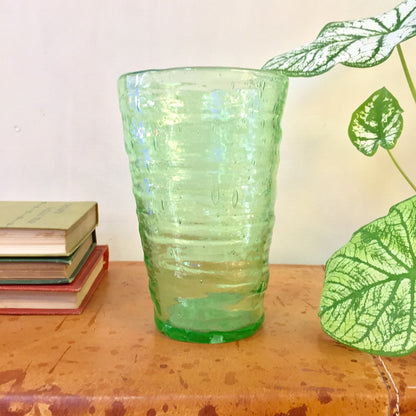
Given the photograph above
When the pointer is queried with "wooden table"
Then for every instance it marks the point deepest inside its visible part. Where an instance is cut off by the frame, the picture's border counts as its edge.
(111, 361)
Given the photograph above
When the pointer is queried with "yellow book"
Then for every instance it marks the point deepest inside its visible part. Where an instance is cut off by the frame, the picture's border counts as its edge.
(45, 228)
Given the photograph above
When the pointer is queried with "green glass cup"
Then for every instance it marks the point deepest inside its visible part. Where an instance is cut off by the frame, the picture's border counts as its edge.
(203, 149)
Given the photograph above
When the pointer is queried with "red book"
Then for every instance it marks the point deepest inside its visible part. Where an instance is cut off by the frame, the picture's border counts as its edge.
(59, 299)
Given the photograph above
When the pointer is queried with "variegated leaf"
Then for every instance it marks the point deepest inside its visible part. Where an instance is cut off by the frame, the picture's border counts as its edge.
(369, 296)
(378, 121)
(359, 43)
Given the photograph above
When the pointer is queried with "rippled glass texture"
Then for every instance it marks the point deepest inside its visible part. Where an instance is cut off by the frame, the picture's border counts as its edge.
(203, 148)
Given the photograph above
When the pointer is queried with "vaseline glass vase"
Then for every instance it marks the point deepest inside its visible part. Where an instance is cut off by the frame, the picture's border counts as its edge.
(203, 148)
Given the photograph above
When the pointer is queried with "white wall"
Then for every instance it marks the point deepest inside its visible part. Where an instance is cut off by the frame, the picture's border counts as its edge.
(60, 128)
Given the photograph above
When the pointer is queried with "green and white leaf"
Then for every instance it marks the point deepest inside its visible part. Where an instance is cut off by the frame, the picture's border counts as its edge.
(359, 43)
(368, 298)
(376, 122)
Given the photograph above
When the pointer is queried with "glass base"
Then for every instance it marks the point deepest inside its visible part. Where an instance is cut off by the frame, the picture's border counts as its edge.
(214, 337)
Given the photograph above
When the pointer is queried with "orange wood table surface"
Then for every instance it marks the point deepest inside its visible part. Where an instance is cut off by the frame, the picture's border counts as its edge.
(111, 361)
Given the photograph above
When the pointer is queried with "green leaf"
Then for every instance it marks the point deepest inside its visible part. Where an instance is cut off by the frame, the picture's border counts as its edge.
(368, 298)
(358, 43)
(378, 121)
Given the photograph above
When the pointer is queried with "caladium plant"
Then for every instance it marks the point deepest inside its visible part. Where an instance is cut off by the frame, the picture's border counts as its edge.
(358, 43)
(369, 296)
(376, 122)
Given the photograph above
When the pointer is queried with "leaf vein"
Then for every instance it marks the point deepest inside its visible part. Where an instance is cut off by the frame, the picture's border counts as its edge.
(386, 304)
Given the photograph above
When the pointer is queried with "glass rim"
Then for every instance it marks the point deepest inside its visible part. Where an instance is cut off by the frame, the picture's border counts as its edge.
(258, 71)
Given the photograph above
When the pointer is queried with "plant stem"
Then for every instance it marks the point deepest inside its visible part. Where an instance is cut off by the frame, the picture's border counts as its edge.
(406, 72)
(401, 170)
(413, 91)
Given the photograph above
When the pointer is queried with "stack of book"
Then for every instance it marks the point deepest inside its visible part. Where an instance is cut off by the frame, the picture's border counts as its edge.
(50, 262)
